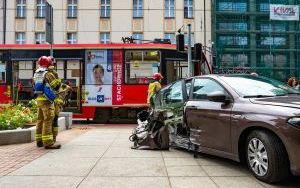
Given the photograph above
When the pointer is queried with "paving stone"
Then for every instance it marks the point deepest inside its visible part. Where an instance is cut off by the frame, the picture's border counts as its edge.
(214, 161)
(68, 167)
(77, 152)
(185, 171)
(236, 182)
(128, 152)
(192, 182)
(125, 182)
(129, 167)
(180, 161)
(39, 181)
(225, 171)
(174, 153)
(123, 143)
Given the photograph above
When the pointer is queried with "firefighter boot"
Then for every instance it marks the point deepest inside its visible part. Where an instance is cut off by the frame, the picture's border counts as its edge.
(53, 146)
(39, 144)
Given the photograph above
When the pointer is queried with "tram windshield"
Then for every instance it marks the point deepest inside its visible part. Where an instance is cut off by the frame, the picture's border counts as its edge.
(140, 65)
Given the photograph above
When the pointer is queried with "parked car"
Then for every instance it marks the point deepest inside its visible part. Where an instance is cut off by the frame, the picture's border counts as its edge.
(239, 117)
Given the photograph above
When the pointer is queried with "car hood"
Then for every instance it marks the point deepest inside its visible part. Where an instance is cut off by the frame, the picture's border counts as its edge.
(286, 101)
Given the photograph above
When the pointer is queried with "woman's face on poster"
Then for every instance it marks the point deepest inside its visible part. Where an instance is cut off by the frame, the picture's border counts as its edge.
(98, 74)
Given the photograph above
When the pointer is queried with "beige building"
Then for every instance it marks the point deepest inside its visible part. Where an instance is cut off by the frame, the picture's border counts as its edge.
(95, 21)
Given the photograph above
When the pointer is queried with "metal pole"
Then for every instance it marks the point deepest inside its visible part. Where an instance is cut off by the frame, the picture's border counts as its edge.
(190, 63)
(4, 21)
(51, 34)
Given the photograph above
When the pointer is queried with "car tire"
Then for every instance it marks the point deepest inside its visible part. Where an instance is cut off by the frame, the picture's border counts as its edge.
(266, 156)
(102, 115)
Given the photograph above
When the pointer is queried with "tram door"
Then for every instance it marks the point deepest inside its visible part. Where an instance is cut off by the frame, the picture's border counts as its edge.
(70, 71)
(176, 70)
(22, 74)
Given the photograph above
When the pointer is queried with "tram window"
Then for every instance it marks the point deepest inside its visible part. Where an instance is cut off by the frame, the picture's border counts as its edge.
(73, 71)
(140, 65)
(2, 72)
(25, 70)
(60, 69)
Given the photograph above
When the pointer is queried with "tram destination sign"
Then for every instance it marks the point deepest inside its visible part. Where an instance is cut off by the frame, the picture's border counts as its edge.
(284, 12)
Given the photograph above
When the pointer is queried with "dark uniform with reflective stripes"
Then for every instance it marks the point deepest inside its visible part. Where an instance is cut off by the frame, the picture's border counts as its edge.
(57, 102)
(44, 132)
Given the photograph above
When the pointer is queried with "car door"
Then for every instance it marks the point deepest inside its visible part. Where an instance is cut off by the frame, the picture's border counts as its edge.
(209, 122)
(173, 98)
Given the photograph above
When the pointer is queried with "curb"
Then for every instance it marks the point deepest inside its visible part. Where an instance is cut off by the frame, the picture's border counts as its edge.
(25, 135)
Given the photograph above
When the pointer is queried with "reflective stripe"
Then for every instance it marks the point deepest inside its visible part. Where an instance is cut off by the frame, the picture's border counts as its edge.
(47, 137)
(55, 83)
(38, 136)
(41, 98)
(58, 101)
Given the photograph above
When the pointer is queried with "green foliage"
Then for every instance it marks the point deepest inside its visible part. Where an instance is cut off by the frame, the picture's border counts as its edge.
(15, 116)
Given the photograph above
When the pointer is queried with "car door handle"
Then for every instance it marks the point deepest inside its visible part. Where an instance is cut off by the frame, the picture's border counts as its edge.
(192, 107)
(236, 116)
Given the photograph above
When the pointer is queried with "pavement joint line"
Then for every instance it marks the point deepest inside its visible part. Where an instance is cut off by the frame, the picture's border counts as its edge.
(207, 175)
(43, 176)
(169, 181)
(97, 161)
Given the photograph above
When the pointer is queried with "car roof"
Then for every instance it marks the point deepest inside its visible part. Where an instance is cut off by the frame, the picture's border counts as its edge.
(221, 75)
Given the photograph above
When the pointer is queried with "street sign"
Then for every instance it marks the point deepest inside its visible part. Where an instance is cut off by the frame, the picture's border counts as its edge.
(49, 23)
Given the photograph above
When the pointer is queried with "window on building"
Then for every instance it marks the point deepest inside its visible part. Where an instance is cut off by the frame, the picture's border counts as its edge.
(232, 6)
(233, 40)
(40, 38)
(21, 8)
(105, 38)
(20, 38)
(171, 37)
(169, 9)
(186, 38)
(232, 25)
(272, 27)
(137, 8)
(138, 36)
(2, 72)
(272, 40)
(41, 8)
(188, 8)
(234, 60)
(264, 5)
(71, 38)
(72, 8)
(105, 8)
(276, 60)
(140, 65)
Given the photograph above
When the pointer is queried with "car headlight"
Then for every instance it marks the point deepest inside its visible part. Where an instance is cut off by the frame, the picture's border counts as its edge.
(295, 121)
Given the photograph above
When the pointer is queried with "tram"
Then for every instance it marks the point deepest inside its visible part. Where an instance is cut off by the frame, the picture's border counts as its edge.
(108, 80)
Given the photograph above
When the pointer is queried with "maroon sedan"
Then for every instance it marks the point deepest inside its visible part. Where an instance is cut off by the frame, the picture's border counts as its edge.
(240, 117)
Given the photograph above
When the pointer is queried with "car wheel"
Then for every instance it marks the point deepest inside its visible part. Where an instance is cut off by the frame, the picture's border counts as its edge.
(266, 157)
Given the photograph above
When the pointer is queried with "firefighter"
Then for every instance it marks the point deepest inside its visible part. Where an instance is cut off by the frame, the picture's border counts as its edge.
(154, 86)
(44, 82)
(57, 102)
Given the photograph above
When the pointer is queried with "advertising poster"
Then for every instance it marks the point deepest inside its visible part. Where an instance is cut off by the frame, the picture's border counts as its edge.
(98, 78)
(117, 78)
(284, 12)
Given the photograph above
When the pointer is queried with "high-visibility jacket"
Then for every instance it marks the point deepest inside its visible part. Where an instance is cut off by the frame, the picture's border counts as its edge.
(152, 89)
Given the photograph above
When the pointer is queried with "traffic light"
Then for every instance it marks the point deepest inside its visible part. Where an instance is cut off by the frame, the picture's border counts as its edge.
(198, 51)
(180, 42)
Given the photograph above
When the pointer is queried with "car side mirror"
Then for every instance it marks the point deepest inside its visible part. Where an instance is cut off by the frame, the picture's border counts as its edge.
(218, 96)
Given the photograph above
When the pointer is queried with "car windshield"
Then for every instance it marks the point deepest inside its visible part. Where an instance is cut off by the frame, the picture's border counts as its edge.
(256, 86)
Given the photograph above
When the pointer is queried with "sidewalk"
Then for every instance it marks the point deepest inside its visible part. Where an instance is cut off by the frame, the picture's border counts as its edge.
(101, 157)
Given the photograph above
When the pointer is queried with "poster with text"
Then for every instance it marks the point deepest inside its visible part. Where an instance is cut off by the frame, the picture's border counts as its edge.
(98, 78)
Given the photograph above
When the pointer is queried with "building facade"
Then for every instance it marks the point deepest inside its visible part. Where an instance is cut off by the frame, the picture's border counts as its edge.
(247, 40)
(105, 21)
